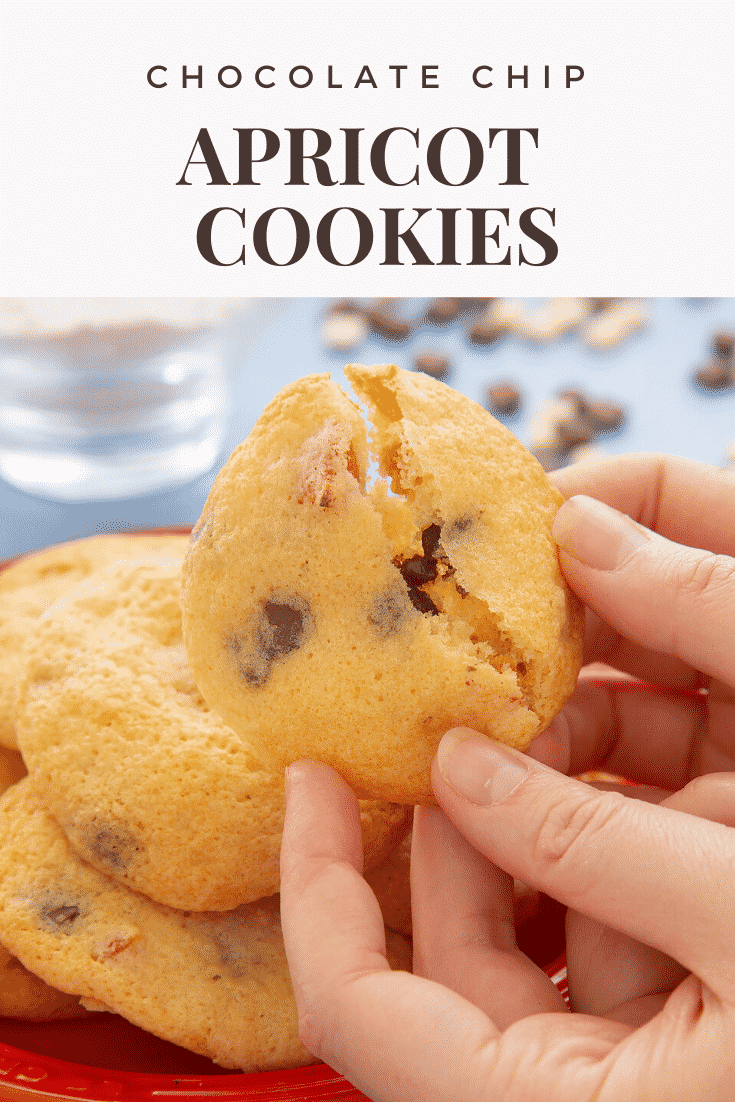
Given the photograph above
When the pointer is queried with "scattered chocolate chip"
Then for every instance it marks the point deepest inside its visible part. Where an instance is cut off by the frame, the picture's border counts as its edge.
(598, 304)
(550, 458)
(503, 399)
(487, 331)
(723, 344)
(577, 430)
(715, 375)
(383, 320)
(589, 416)
(433, 364)
(344, 306)
(443, 310)
(606, 416)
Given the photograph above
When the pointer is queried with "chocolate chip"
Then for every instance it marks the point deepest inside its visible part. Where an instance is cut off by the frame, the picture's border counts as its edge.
(575, 431)
(433, 364)
(281, 626)
(503, 399)
(430, 539)
(384, 321)
(607, 416)
(443, 310)
(550, 458)
(344, 306)
(715, 375)
(418, 570)
(59, 917)
(422, 601)
(389, 612)
(421, 569)
(723, 344)
(487, 331)
(460, 525)
(109, 844)
(590, 418)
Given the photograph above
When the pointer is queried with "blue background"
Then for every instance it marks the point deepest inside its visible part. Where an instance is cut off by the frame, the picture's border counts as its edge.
(650, 372)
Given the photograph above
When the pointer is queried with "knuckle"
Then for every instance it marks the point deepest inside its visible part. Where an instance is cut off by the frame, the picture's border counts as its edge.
(707, 578)
(573, 830)
(314, 1031)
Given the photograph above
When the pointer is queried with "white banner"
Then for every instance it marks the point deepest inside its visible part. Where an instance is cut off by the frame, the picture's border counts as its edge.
(422, 149)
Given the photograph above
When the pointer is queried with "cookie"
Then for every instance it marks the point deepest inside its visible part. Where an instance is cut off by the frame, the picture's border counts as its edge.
(148, 784)
(390, 882)
(391, 885)
(25, 996)
(31, 584)
(328, 618)
(216, 983)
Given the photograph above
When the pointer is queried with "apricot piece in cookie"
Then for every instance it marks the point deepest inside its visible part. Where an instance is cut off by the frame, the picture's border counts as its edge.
(327, 617)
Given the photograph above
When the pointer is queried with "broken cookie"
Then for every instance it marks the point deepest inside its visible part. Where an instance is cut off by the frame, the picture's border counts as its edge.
(430, 598)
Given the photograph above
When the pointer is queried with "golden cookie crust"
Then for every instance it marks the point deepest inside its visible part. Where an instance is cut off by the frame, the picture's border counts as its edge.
(327, 618)
(147, 782)
(216, 983)
(23, 995)
(29, 585)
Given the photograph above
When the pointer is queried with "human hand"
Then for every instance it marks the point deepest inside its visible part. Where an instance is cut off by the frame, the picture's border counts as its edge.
(651, 887)
(666, 615)
(479, 1021)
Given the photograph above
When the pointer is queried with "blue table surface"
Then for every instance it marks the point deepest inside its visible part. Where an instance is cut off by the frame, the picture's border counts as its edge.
(650, 372)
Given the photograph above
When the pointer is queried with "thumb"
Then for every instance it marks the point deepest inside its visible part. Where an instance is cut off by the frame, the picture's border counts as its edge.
(662, 595)
(647, 871)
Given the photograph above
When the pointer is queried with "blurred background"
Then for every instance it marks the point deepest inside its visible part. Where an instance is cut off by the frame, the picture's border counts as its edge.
(115, 414)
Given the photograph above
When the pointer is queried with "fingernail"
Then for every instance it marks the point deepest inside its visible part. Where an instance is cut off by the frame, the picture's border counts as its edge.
(482, 771)
(597, 535)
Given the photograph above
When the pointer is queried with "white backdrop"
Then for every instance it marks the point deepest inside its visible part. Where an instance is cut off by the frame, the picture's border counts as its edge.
(635, 159)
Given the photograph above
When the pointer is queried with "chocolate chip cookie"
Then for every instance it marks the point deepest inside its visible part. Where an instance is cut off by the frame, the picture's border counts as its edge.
(336, 613)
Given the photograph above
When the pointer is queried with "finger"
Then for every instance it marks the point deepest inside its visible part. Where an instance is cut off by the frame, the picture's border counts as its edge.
(553, 747)
(602, 643)
(611, 973)
(366, 1021)
(658, 594)
(689, 502)
(711, 797)
(647, 735)
(655, 873)
(463, 931)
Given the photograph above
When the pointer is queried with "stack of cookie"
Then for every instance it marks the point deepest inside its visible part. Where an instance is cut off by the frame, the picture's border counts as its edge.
(139, 857)
(316, 615)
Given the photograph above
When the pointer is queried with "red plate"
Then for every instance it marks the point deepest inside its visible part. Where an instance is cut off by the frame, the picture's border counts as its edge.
(114, 1060)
